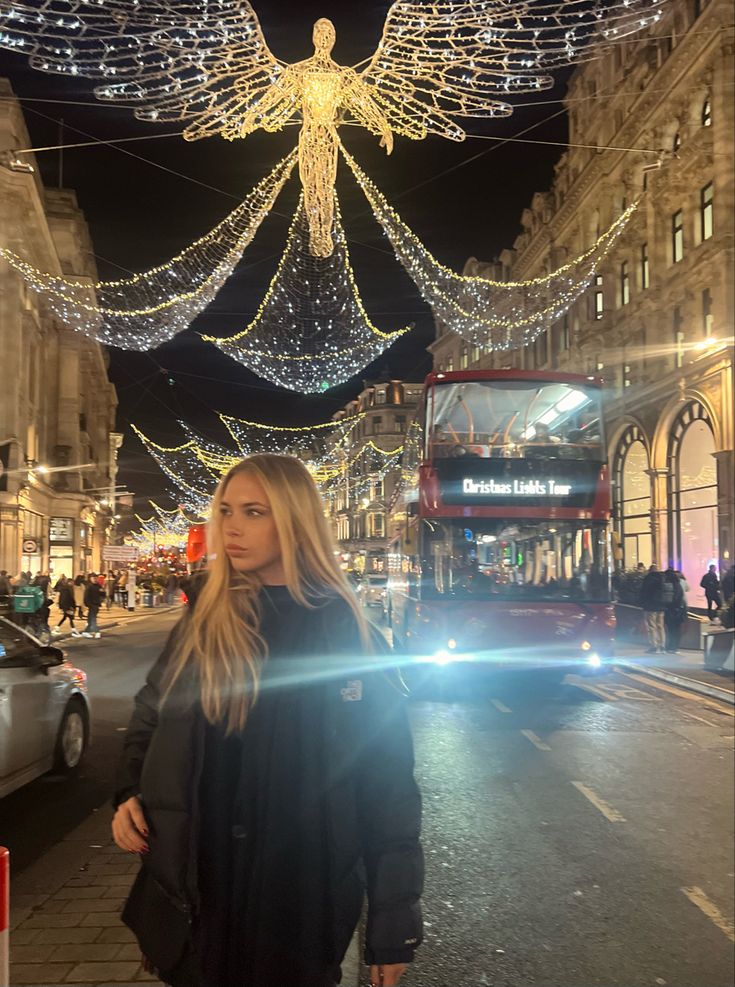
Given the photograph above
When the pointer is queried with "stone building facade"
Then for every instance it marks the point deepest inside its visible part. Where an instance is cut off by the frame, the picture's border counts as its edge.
(358, 500)
(58, 446)
(657, 322)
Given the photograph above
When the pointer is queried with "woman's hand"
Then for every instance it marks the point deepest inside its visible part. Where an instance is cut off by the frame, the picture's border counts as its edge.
(129, 828)
(387, 974)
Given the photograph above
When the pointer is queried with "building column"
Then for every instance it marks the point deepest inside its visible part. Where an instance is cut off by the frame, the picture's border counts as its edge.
(660, 549)
(725, 500)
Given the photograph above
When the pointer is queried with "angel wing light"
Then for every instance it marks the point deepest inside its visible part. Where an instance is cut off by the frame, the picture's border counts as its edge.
(207, 64)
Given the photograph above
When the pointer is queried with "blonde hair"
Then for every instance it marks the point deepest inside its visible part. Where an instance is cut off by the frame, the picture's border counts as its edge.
(221, 638)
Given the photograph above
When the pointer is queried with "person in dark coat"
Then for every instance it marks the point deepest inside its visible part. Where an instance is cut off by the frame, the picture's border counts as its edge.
(675, 613)
(65, 588)
(710, 583)
(652, 603)
(267, 773)
(93, 599)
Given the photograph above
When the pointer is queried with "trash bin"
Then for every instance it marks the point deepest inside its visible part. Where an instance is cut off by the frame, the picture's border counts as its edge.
(147, 599)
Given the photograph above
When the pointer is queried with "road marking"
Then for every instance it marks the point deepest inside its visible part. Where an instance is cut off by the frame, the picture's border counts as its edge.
(501, 707)
(710, 909)
(701, 719)
(536, 741)
(665, 687)
(597, 690)
(612, 815)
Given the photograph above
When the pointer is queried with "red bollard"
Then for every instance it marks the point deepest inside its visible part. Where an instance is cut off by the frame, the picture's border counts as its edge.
(4, 916)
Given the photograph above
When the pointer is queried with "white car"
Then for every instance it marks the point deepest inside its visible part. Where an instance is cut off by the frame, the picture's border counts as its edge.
(374, 590)
(44, 709)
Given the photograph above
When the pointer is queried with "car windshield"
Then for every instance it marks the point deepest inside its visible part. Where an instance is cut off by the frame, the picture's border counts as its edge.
(518, 419)
(14, 640)
(523, 560)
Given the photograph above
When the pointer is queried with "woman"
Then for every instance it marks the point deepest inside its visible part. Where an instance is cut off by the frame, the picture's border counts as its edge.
(66, 605)
(675, 613)
(268, 769)
(80, 585)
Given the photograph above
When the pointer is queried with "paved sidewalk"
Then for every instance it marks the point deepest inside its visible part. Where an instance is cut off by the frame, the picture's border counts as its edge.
(65, 925)
(685, 669)
(107, 619)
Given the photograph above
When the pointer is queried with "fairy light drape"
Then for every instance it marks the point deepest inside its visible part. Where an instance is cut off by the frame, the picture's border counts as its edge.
(492, 314)
(311, 331)
(147, 309)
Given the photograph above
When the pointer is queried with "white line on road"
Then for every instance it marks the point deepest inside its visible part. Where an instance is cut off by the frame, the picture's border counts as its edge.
(701, 719)
(536, 741)
(612, 815)
(664, 687)
(578, 682)
(710, 909)
(501, 707)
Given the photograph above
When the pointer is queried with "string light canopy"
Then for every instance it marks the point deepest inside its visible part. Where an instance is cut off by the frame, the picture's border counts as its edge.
(206, 64)
(491, 314)
(169, 529)
(330, 451)
(146, 309)
(311, 331)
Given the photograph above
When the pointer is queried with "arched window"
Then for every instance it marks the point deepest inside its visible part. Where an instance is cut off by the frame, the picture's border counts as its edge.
(693, 534)
(632, 493)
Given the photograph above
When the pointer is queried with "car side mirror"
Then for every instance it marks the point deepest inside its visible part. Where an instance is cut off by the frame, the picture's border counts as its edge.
(49, 657)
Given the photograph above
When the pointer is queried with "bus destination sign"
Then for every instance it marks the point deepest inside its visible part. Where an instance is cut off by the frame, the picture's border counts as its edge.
(516, 488)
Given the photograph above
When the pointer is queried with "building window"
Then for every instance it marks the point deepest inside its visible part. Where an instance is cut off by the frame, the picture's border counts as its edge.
(707, 112)
(632, 496)
(706, 210)
(677, 236)
(707, 316)
(450, 364)
(693, 527)
(624, 283)
(464, 357)
(380, 397)
(475, 354)
(401, 424)
(377, 424)
(676, 142)
(677, 323)
(599, 297)
(627, 380)
(376, 525)
(645, 268)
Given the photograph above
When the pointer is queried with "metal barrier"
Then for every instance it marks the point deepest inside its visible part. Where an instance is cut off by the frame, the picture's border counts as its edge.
(4, 917)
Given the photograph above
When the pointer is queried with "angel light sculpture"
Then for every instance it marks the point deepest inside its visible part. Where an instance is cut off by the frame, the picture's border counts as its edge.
(207, 64)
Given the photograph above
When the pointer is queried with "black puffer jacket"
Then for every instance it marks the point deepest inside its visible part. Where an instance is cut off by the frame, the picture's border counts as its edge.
(374, 808)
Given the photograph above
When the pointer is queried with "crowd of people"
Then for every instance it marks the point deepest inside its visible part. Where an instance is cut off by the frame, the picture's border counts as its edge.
(30, 600)
(663, 598)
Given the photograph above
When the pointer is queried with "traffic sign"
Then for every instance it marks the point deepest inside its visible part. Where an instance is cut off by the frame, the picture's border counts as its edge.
(120, 553)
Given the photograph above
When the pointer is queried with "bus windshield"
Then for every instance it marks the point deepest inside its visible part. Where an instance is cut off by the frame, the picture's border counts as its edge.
(515, 419)
(521, 560)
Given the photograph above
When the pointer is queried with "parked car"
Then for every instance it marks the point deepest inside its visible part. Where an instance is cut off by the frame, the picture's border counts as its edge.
(373, 590)
(44, 709)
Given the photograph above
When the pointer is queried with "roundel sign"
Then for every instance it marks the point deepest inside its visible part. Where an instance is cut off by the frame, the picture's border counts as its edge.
(30, 546)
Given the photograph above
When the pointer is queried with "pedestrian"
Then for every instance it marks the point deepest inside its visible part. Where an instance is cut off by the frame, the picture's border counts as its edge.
(122, 587)
(27, 601)
(93, 602)
(6, 590)
(66, 605)
(675, 613)
(710, 583)
(275, 781)
(651, 601)
(109, 589)
(79, 588)
(43, 580)
(172, 588)
(59, 583)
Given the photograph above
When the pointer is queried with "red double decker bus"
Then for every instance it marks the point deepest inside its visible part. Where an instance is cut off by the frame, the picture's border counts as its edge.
(501, 543)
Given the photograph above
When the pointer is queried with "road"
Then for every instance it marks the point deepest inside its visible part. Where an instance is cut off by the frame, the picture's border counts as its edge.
(577, 833)
(36, 817)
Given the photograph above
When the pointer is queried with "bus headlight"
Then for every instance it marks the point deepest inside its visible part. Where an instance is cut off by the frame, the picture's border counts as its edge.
(442, 657)
(594, 660)
(585, 646)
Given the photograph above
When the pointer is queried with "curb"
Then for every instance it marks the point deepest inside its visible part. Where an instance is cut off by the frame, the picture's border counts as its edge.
(692, 685)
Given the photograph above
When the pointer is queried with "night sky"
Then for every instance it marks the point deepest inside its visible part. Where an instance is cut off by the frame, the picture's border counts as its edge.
(140, 215)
